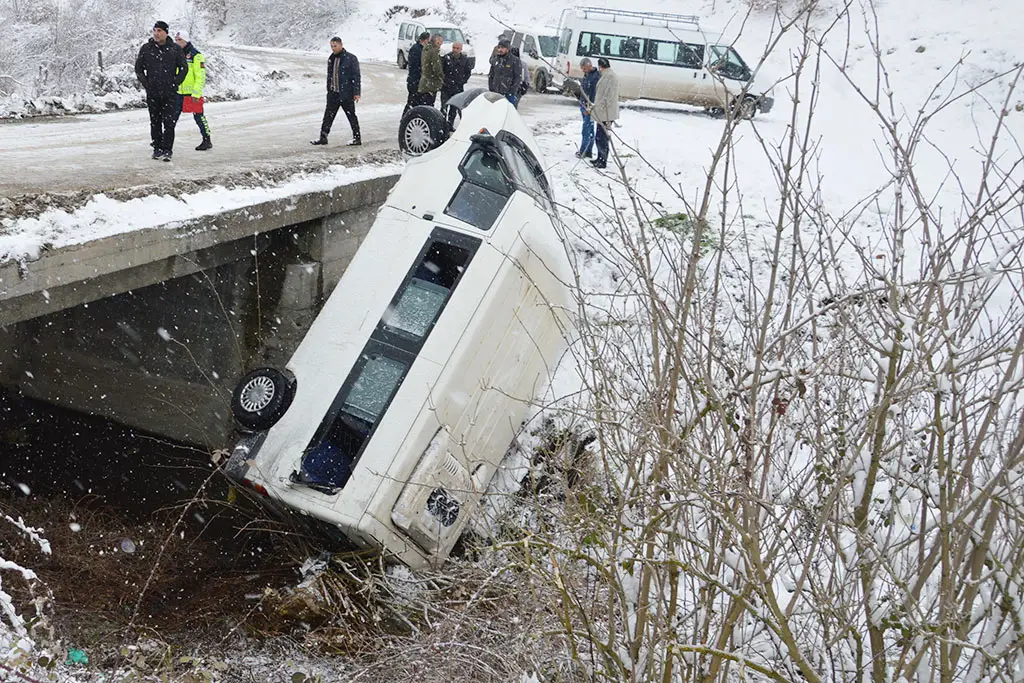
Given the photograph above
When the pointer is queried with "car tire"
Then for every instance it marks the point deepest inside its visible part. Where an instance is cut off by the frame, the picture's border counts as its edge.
(422, 129)
(540, 81)
(746, 108)
(403, 63)
(261, 398)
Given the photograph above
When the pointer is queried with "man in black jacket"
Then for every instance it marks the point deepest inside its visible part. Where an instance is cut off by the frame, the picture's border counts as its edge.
(161, 67)
(343, 91)
(506, 72)
(415, 65)
(456, 74)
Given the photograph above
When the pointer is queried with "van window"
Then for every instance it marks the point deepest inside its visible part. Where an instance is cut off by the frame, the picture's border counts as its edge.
(364, 397)
(566, 41)
(529, 45)
(727, 63)
(606, 45)
(451, 35)
(687, 55)
(483, 192)
(526, 170)
(548, 46)
(517, 39)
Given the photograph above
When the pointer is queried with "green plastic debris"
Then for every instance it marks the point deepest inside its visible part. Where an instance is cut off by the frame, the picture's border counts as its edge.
(76, 656)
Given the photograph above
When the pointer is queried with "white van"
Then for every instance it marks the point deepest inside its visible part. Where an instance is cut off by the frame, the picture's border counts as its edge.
(538, 49)
(661, 56)
(400, 402)
(408, 30)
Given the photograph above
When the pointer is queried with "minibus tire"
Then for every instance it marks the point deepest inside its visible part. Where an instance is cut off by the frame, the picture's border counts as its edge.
(261, 398)
(540, 81)
(422, 129)
(403, 63)
(746, 108)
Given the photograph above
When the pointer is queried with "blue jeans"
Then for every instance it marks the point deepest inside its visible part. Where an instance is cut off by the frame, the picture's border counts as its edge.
(587, 146)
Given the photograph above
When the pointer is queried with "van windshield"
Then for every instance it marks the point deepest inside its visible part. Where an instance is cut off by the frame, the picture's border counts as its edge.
(451, 35)
(548, 45)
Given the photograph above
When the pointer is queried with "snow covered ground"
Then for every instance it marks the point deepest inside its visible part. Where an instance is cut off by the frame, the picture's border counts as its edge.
(931, 53)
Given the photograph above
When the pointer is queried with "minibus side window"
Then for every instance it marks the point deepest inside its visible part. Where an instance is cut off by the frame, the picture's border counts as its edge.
(563, 45)
(364, 397)
(483, 192)
(728, 64)
(619, 47)
(686, 55)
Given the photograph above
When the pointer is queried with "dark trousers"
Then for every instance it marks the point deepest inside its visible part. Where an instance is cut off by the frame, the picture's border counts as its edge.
(428, 98)
(414, 95)
(334, 102)
(164, 111)
(602, 143)
(449, 112)
(204, 125)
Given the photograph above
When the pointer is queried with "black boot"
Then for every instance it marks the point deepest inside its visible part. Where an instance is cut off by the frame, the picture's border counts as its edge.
(354, 142)
(322, 140)
(205, 145)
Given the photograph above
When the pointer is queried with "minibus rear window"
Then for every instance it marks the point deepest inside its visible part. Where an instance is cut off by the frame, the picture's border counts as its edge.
(483, 192)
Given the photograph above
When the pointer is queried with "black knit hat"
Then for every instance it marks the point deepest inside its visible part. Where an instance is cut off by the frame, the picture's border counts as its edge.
(162, 25)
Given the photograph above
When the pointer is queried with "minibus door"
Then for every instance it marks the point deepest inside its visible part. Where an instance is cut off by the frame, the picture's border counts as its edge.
(674, 70)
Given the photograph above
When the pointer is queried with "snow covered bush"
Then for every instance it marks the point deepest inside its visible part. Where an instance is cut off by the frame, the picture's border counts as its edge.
(260, 22)
(51, 46)
(807, 417)
(16, 634)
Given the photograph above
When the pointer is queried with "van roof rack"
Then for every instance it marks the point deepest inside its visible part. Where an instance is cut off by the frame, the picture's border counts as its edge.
(644, 17)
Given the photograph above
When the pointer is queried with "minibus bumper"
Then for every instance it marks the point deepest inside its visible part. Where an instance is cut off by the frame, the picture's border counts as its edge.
(765, 103)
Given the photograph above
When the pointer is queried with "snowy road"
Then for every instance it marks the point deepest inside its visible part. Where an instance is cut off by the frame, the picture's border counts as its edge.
(102, 152)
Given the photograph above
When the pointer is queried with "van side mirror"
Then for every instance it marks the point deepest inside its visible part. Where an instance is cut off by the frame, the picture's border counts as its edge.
(534, 55)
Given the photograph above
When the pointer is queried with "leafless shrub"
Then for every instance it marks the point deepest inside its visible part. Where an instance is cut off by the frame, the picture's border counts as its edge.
(812, 469)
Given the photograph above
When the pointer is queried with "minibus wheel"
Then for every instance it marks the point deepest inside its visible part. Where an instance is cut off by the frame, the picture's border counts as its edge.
(422, 129)
(261, 398)
(746, 108)
(540, 81)
(402, 61)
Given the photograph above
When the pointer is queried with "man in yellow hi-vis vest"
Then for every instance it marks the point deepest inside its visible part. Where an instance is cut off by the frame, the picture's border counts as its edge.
(191, 88)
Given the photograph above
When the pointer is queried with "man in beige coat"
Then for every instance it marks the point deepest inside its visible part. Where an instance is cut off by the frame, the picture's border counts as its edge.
(605, 109)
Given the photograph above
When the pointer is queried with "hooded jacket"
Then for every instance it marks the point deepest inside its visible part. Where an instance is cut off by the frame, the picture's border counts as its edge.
(195, 79)
(505, 75)
(161, 68)
(343, 75)
(432, 72)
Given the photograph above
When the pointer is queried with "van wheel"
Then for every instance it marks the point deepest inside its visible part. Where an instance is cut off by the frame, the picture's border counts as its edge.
(422, 129)
(540, 81)
(261, 398)
(402, 61)
(746, 108)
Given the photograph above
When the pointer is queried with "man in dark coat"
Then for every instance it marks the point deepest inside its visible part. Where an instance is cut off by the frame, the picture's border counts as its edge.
(161, 67)
(588, 93)
(344, 87)
(456, 75)
(506, 72)
(415, 66)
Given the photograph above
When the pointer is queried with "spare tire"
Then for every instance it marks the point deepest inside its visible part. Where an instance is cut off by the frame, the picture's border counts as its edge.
(261, 398)
(422, 129)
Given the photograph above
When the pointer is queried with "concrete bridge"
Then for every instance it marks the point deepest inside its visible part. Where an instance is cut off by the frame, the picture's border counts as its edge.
(153, 328)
